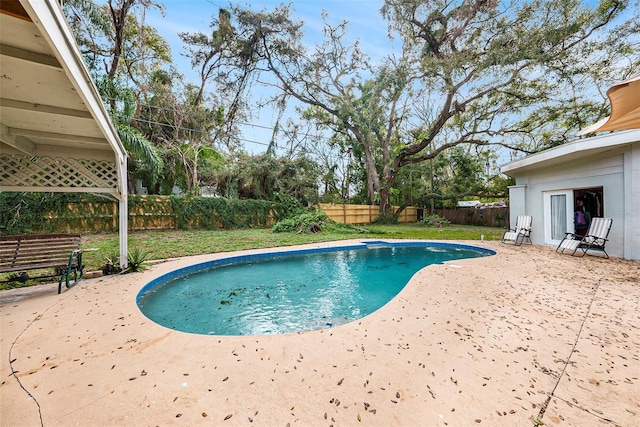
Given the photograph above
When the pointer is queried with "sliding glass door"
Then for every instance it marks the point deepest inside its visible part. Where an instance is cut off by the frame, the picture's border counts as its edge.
(558, 215)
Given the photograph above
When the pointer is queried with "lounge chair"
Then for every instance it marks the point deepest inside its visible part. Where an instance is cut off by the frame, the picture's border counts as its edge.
(521, 232)
(595, 238)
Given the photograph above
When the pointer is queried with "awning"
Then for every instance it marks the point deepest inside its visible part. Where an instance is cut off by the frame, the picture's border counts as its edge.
(625, 108)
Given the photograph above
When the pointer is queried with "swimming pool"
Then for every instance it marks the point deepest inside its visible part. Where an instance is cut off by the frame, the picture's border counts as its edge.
(292, 291)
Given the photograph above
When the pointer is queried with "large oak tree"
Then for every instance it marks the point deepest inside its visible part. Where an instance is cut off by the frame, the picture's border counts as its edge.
(471, 72)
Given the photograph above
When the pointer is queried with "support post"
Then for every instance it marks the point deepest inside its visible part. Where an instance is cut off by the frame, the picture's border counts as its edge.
(123, 212)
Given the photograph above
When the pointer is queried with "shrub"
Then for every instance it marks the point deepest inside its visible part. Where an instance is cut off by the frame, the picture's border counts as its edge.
(112, 264)
(301, 222)
(288, 205)
(434, 221)
(137, 260)
(210, 213)
(308, 221)
(386, 219)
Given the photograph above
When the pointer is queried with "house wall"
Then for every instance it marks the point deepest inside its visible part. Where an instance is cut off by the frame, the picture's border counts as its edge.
(632, 202)
(517, 203)
(617, 171)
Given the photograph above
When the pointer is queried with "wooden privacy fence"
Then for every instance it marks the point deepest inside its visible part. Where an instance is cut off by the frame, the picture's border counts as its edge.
(152, 213)
(364, 214)
(103, 216)
(492, 217)
(83, 217)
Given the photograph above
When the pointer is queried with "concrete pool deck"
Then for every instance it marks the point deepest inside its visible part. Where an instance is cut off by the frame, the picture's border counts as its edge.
(523, 337)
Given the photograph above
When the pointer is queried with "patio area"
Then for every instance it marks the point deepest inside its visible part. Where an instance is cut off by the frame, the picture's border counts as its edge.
(520, 338)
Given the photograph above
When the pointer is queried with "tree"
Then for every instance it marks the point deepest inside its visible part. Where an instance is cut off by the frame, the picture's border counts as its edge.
(120, 49)
(268, 177)
(171, 119)
(225, 61)
(115, 40)
(326, 80)
(492, 67)
(472, 72)
(145, 158)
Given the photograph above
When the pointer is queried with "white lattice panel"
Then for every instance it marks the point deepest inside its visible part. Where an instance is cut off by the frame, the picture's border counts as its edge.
(25, 171)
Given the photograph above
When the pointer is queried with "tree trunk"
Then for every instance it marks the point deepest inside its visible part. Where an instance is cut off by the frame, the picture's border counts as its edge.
(389, 180)
(119, 18)
(373, 180)
(187, 172)
(385, 203)
(194, 178)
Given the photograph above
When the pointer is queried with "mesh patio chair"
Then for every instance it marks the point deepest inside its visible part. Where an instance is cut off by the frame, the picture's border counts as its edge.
(595, 238)
(521, 232)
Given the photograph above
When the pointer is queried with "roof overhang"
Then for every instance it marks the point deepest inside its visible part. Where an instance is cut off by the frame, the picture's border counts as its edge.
(572, 151)
(51, 114)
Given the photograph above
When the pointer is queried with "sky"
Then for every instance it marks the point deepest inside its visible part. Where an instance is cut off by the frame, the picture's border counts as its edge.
(364, 24)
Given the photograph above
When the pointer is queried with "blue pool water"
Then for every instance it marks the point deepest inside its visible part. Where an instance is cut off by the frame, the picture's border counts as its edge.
(291, 291)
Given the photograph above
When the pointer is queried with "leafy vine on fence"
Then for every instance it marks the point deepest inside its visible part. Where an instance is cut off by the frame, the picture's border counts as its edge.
(25, 213)
(217, 212)
(30, 213)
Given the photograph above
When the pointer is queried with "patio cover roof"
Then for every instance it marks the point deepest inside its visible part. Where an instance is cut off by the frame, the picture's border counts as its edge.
(55, 134)
(625, 108)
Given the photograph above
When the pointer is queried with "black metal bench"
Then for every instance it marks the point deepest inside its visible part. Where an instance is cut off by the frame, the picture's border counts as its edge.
(61, 252)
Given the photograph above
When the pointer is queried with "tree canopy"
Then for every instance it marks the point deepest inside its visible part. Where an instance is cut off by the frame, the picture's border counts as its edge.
(475, 81)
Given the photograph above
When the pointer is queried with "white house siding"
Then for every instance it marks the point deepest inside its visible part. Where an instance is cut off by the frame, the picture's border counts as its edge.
(517, 202)
(632, 202)
(606, 170)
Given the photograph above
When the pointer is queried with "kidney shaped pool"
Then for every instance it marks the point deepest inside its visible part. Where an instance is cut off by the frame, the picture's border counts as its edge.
(293, 291)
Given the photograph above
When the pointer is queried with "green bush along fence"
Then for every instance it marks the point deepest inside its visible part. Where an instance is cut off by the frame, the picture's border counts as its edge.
(29, 213)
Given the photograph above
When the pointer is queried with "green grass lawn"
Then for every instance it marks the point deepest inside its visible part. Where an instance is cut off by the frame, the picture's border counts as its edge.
(173, 244)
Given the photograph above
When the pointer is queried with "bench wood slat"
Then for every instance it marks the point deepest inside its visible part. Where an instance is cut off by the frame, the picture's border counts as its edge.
(59, 260)
(34, 252)
(39, 243)
(46, 247)
(48, 251)
(21, 267)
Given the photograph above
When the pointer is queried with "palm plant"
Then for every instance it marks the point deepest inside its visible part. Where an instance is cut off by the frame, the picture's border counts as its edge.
(137, 259)
(120, 102)
(91, 26)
